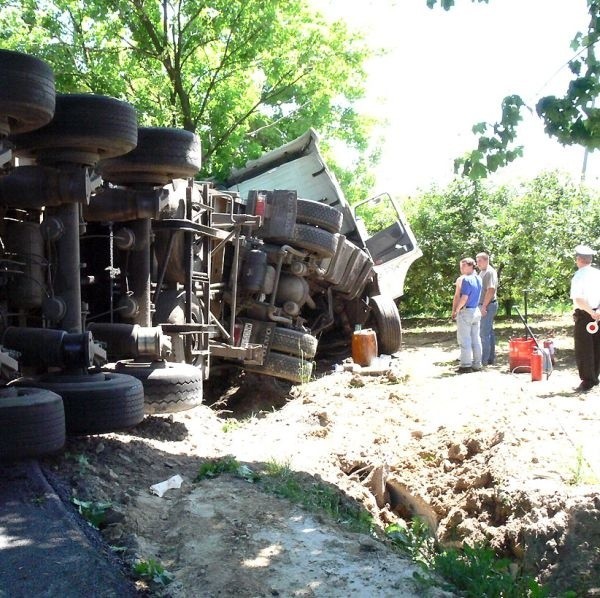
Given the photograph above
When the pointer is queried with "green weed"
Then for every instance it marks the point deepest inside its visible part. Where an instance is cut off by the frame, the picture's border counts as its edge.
(472, 571)
(414, 540)
(304, 370)
(79, 458)
(93, 512)
(153, 571)
(230, 425)
(228, 464)
(581, 472)
(577, 470)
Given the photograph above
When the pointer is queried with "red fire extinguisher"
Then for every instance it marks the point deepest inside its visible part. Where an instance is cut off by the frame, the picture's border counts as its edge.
(536, 365)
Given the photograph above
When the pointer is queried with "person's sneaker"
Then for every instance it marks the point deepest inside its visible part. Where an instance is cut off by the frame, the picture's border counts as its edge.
(464, 369)
(477, 368)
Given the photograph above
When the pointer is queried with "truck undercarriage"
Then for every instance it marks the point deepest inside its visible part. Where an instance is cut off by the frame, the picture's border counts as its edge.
(123, 280)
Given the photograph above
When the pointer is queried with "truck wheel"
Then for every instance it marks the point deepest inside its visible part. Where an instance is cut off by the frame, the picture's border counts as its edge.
(387, 324)
(27, 94)
(95, 403)
(319, 214)
(168, 387)
(283, 366)
(161, 155)
(32, 421)
(294, 342)
(85, 129)
(315, 240)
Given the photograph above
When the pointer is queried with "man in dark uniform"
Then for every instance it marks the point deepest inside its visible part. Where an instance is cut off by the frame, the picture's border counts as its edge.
(585, 293)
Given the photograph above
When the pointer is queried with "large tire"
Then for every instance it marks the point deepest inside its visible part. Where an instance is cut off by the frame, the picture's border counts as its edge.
(294, 342)
(319, 214)
(387, 324)
(283, 366)
(161, 155)
(27, 94)
(85, 129)
(32, 421)
(168, 387)
(314, 240)
(95, 403)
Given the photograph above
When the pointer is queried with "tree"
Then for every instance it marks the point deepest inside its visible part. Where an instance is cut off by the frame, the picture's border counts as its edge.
(530, 232)
(246, 75)
(572, 119)
(447, 225)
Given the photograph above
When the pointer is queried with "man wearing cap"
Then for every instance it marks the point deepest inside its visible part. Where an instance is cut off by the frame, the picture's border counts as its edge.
(585, 293)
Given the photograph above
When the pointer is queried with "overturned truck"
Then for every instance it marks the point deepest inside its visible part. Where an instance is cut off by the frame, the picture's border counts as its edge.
(124, 280)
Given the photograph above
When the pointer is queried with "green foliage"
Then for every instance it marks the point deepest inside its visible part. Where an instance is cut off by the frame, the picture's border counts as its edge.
(228, 464)
(496, 146)
(469, 571)
(152, 570)
(93, 512)
(529, 231)
(246, 75)
(477, 571)
(448, 4)
(415, 540)
(572, 119)
(448, 225)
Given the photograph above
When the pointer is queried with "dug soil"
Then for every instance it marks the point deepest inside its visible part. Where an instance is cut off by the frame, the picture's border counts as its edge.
(486, 457)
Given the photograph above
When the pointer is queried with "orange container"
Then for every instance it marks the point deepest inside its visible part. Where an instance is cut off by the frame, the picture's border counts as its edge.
(364, 346)
(519, 353)
(537, 365)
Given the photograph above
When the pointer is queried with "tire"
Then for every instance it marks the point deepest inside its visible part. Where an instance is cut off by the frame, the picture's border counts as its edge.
(314, 240)
(387, 324)
(27, 93)
(319, 214)
(32, 421)
(294, 342)
(95, 403)
(85, 129)
(283, 366)
(169, 389)
(161, 155)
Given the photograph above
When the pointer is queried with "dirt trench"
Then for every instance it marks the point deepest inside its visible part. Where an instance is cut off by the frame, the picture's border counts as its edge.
(488, 457)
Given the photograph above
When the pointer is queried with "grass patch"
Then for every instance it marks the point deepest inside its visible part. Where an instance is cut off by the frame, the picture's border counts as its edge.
(301, 489)
(230, 425)
(314, 496)
(228, 464)
(472, 571)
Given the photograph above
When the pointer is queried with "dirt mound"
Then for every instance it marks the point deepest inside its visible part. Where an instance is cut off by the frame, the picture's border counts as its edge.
(484, 457)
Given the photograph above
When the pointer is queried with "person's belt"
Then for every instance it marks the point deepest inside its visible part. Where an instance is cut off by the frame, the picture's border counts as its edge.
(492, 301)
